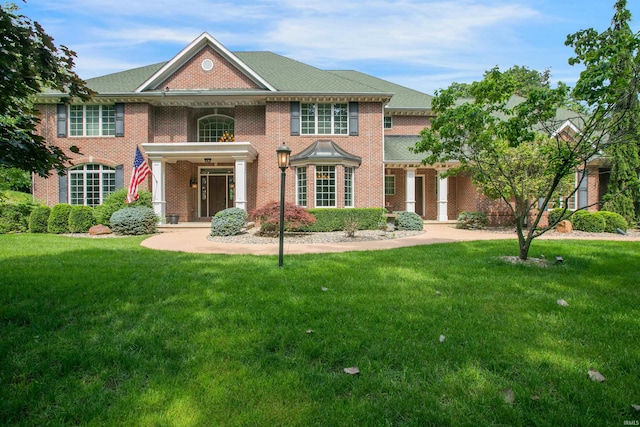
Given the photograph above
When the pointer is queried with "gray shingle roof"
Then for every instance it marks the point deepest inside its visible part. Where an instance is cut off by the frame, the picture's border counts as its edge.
(288, 75)
(284, 74)
(396, 149)
(403, 97)
(124, 81)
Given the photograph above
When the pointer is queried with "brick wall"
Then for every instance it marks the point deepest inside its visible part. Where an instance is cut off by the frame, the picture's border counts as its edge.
(108, 150)
(223, 75)
(407, 125)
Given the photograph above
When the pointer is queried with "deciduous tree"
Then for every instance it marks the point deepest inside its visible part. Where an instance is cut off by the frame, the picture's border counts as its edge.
(30, 63)
(612, 61)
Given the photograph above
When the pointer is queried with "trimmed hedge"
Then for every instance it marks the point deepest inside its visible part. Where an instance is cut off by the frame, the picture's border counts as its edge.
(39, 218)
(59, 219)
(612, 221)
(586, 221)
(134, 221)
(472, 220)
(15, 217)
(116, 201)
(228, 222)
(334, 219)
(81, 219)
(409, 221)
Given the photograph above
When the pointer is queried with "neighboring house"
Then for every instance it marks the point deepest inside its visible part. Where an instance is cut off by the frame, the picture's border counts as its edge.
(209, 122)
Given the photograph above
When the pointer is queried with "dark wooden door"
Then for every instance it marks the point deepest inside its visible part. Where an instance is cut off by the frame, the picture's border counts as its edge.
(420, 195)
(217, 194)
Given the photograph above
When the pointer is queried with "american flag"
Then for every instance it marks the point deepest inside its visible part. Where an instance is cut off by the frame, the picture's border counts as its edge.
(140, 172)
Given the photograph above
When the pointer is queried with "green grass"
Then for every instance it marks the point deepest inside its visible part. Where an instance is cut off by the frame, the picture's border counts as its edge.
(105, 332)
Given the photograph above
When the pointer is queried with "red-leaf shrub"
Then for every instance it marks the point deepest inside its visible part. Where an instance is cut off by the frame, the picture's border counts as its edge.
(269, 217)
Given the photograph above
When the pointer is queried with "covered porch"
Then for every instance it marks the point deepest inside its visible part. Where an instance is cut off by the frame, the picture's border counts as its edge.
(413, 186)
(194, 180)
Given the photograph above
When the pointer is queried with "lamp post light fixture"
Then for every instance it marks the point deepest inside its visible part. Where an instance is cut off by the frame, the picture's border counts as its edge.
(284, 154)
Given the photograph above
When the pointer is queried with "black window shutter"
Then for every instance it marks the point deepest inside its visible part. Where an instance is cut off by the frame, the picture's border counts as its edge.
(295, 118)
(62, 121)
(583, 189)
(119, 176)
(353, 118)
(63, 193)
(119, 107)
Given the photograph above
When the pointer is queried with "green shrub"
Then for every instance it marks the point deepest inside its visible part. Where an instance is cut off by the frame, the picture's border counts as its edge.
(334, 219)
(81, 219)
(586, 221)
(556, 215)
(39, 218)
(59, 219)
(116, 201)
(134, 221)
(228, 222)
(14, 217)
(612, 221)
(295, 218)
(472, 220)
(409, 221)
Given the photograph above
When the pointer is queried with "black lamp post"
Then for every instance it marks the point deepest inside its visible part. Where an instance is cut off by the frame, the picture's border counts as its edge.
(284, 153)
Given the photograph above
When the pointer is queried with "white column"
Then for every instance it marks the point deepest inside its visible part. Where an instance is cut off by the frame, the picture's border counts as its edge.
(410, 190)
(158, 197)
(443, 194)
(241, 184)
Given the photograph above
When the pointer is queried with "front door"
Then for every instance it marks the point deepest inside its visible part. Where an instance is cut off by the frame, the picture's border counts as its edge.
(213, 190)
(420, 195)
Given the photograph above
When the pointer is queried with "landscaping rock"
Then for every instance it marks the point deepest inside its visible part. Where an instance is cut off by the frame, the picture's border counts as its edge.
(564, 226)
(99, 229)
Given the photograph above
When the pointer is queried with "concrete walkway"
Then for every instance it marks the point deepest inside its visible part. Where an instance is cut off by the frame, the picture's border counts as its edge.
(195, 240)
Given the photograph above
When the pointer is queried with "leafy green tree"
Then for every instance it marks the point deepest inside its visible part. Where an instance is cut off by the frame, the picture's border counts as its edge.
(30, 63)
(526, 81)
(616, 71)
(505, 143)
(14, 179)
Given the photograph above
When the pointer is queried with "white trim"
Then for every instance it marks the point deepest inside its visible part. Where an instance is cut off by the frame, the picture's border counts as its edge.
(196, 152)
(188, 52)
(567, 124)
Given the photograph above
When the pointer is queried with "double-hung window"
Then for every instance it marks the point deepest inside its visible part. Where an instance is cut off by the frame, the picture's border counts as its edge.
(92, 120)
(324, 119)
(388, 122)
(389, 185)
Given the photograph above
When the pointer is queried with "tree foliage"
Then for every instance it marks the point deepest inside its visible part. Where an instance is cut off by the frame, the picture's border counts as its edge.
(613, 61)
(514, 148)
(526, 81)
(30, 63)
(509, 145)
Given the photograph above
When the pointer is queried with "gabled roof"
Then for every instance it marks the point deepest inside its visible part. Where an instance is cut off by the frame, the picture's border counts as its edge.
(205, 39)
(276, 78)
(288, 75)
(404, 98)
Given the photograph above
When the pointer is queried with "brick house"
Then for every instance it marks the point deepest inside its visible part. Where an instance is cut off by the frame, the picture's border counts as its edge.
(209, 122)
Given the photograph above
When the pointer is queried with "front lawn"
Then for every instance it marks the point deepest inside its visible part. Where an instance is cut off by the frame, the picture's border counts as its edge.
(105, 332)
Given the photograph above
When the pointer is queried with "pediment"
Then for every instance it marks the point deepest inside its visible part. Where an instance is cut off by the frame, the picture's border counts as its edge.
(205, 64)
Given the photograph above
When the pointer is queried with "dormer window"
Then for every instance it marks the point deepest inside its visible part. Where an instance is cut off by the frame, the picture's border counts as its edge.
(216, 128)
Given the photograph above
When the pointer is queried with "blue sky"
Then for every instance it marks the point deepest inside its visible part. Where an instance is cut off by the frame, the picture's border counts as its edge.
(422, 44)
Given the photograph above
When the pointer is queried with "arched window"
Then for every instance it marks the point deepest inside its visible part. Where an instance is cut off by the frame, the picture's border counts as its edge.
(90, 184)
(216, 128)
